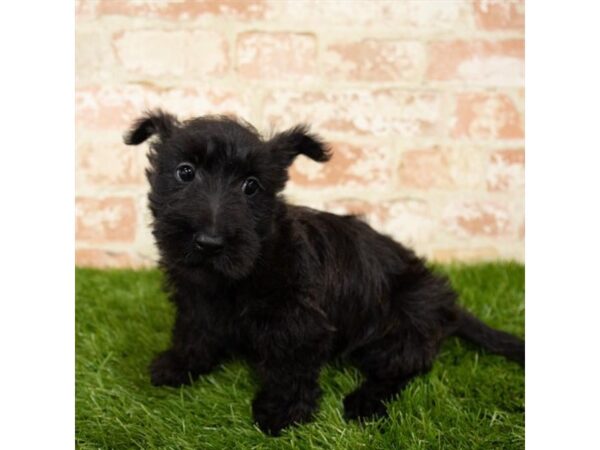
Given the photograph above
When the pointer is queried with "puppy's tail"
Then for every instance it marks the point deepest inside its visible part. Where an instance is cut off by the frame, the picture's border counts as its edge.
(495, 341)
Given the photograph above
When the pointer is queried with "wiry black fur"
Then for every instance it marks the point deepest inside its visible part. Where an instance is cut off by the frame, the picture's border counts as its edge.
(293, 287)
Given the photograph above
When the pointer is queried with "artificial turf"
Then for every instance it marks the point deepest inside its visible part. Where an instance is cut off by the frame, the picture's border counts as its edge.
(470, 400)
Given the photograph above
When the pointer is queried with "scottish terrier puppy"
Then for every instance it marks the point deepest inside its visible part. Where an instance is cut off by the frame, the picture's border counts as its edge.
(286, 287)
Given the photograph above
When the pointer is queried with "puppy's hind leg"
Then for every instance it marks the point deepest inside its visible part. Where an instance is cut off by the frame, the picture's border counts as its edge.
(388, 368)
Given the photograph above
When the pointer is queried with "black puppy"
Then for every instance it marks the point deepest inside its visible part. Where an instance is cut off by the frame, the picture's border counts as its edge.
(286, 287)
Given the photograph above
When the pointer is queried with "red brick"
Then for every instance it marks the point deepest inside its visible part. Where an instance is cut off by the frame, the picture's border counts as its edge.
(185, 9)
(156, 53)
(407, 220)
(498, 63)
(85, 9)
(478, 218)
(425, 169)
(276, 55)
(379, 113)
(522, 231)
(442, 168)
(487, 116)
(500, 14)
(375, 60)
(445, 255)
(439, 15)
(506, 170)
(94, 57)
(104, 163)
(110, 219)
(115, 108)
(104, 258)
(337, 13)
(364, 166)
(410, 221)
(416, 15)
(107, 108)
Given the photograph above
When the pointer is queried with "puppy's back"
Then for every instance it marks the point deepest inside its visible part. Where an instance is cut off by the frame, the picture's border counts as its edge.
(356, 265)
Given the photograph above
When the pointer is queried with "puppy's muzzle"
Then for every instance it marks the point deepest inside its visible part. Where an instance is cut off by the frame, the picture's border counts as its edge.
(208, 244)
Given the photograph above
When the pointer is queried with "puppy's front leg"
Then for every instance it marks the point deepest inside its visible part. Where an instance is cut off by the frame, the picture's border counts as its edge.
(289, 394)
(291, 348)
(196, 348)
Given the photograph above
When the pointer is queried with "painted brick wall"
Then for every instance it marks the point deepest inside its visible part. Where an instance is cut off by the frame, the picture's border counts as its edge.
(422, 100)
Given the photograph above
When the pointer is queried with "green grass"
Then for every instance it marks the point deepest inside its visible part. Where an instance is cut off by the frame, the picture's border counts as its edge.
(470, 400)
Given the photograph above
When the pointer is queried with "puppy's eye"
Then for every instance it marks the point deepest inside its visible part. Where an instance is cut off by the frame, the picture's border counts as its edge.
(185, 172)
(251, 186)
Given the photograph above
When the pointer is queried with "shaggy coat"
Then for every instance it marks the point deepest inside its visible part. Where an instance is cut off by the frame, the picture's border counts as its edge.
(288, 288)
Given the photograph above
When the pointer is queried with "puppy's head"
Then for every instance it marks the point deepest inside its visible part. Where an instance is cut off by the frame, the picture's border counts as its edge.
(214, 187)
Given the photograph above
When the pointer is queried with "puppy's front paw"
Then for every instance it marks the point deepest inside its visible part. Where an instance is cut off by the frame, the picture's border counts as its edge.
(361, 404)
(273, 414)
(168, 369)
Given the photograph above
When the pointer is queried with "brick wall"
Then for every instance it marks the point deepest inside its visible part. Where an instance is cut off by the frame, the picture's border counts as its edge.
(422, 100)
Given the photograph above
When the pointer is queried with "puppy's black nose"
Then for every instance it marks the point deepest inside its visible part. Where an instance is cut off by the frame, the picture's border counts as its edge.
(209, 244)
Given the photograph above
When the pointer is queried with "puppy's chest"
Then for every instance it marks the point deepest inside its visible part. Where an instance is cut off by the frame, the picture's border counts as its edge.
(259, 317)
(260, 306)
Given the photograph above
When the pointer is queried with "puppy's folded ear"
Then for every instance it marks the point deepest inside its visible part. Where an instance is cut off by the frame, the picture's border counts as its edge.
(285, 146)
(151, 123)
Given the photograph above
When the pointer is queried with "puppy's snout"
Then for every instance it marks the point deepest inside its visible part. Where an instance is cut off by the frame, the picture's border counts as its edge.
(208, 243)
